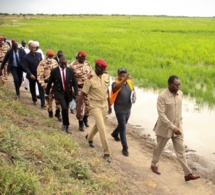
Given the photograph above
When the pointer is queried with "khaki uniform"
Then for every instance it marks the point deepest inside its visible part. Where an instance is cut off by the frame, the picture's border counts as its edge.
(97, 88)
(3, 50)
(43, 73)
(169, 108)
(81, 72)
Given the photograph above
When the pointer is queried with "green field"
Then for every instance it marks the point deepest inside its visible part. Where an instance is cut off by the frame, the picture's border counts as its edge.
(151, 48)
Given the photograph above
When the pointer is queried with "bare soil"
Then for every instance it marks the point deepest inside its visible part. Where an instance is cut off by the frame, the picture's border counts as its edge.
(134, 171)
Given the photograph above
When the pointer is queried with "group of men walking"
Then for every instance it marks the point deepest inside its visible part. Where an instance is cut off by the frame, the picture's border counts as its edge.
(90, 90)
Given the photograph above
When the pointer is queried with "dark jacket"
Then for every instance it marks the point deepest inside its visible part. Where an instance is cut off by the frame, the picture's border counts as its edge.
(9, 57)
(71, 84)
(30, 63)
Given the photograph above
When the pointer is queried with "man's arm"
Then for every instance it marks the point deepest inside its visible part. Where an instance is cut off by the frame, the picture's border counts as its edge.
(74, 84)
(120, 84)
(51, 80)
(6, 57)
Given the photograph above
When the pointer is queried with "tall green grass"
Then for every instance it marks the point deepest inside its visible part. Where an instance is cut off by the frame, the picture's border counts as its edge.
(151, 48)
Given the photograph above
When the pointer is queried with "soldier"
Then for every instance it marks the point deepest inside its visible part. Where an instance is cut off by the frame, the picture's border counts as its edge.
(3, 50)
(59, 54)
(43, 73)
(82, 69)
(96, 86)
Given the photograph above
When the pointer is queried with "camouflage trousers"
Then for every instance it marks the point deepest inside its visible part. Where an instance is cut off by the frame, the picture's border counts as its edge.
(85, 107)
(50, 101)
(4, 73)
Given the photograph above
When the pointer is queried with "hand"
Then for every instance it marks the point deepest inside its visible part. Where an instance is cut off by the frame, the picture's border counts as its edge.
(134, 99)
(32, 77)
(109, 109)
(176, 131)
(44, 86)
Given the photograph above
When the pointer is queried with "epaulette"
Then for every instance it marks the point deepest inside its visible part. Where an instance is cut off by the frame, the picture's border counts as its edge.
(90, 76)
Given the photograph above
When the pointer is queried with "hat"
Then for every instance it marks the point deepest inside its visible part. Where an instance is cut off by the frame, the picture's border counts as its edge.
(37, 43)
(30, 42)
(121, 70)
(100, 62)
(13, 41)
(1, 38)
(81, 53)
(50, 52)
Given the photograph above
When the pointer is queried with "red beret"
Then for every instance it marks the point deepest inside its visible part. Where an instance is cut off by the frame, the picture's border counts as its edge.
(81, 53)
(13, 41)
(50, 52)
(1, 38)
(100, 62)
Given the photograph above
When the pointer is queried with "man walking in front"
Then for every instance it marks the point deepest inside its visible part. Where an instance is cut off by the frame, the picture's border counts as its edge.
(64, 81)
(169, 125)
(96, 86)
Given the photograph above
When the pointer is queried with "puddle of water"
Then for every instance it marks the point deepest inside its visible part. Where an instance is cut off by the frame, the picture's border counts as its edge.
(197, 123)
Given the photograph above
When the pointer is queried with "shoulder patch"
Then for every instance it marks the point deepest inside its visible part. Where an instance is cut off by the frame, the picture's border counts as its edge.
(90, 76)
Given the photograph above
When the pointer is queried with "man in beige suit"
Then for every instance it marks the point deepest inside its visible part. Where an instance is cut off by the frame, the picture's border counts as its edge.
(169, 125)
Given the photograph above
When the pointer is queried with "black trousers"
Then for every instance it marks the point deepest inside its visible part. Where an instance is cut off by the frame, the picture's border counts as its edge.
(65, 109)
(17, 78)
(32, 84)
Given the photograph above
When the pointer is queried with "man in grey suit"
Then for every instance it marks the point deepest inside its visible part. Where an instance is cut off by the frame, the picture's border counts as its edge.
(169, 125)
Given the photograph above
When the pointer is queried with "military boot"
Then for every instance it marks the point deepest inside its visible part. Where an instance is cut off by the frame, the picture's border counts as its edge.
(50, 114)
(57, 115)
(85, 120)
(81, 125)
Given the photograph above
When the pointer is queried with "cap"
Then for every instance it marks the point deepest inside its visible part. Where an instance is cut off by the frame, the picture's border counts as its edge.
(37, 43)
(50, 52)
(121, 70)
(100, 62)
(31, 41)
(81, 53)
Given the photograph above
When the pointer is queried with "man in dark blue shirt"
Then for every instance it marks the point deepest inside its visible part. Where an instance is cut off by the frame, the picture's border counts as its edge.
(31, 62)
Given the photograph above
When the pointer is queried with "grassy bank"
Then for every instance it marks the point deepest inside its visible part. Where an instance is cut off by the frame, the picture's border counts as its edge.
(37, 158)
(151, 48)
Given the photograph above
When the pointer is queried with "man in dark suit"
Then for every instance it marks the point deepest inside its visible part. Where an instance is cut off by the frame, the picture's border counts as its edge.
(64, 84)
(59, 55)
(14, 57)
(30, 64)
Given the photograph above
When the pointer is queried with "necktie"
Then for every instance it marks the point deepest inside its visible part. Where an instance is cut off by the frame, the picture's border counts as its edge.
(64, 80)
(17, 59)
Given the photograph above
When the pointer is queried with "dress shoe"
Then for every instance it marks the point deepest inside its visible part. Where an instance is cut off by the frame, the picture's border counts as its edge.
(115, 137)
(125, 152)
(90, 142)
(64, 127)
(191, 177)
(81, 125)
(35, 103)
(57, 115)
(107, 157)
(155, 170)
(85, 120)
(43, 106)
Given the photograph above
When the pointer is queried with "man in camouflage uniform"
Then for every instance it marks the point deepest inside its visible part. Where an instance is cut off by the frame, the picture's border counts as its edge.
(43, 73)
(82, 69)
(3, 50)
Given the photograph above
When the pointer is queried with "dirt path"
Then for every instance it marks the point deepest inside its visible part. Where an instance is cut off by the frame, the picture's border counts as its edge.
(135, 169)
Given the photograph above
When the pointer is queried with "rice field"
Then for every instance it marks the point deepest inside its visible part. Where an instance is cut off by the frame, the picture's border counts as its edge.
(151, 48)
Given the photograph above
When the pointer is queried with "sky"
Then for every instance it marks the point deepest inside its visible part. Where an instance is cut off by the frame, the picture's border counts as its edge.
(199, 8)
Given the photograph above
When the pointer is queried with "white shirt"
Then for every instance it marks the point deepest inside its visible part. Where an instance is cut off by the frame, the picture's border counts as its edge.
(61, 74)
